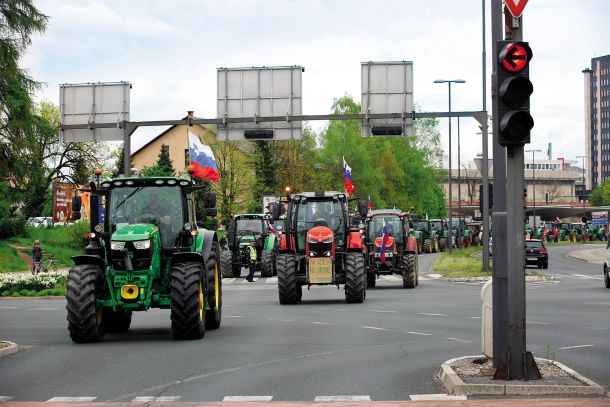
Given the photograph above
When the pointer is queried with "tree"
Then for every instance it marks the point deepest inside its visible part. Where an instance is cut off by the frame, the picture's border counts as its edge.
(600, 196)
(265, 182)
(164, 167)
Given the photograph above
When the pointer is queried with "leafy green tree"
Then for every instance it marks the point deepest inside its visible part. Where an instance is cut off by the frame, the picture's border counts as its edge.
(600, 196)
(164, 167)
(265, 182)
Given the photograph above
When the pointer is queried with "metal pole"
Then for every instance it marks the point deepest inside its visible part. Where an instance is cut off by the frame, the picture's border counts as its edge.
(459, 178)
(126, 151)
(534, 187)
(449, 182)
(485, 168)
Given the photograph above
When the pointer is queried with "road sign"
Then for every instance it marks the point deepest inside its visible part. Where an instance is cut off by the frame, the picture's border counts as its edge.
(599, 218)
(387, 87)
(250, 93)
(93, 103)
(515, 7)
(515, 56)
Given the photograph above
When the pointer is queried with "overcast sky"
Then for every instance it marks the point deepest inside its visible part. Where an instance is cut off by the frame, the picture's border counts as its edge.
(169, 51)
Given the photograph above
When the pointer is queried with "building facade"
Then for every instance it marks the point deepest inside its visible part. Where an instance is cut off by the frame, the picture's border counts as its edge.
(597, 121)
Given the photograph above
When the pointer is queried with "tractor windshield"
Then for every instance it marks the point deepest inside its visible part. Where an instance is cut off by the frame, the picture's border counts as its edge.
(160, 206)
(320, 213)
(437, 226)
(249, 225)
(392, 223)
(422, 226)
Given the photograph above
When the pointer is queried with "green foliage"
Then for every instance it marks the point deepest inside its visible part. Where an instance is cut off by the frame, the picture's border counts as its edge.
(9, 259)
(164, 167)
(600, 196)
(12, 227)
(60, 242)
(77, 235)
(265, 182)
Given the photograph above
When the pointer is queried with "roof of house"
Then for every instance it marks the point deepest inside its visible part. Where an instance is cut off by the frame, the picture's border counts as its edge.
(161, 135)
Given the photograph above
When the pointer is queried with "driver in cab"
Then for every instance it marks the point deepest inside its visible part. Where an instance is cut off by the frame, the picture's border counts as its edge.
(155, 211)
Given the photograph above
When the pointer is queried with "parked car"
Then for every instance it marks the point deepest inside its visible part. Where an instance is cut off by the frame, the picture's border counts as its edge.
(536, 254)
(606, 265)
(40, 222)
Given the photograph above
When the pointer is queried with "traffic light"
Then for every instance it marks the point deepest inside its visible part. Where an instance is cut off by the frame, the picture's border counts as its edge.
(514, 89)
(76, 207)
(490, 196)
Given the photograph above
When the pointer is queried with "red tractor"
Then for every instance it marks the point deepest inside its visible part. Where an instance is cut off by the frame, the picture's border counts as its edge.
(319, 247)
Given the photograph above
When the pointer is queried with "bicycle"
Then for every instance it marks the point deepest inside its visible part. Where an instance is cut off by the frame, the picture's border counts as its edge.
(44, 266)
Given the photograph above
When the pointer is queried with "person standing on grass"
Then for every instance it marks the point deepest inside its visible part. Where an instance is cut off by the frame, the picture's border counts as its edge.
(36, 256)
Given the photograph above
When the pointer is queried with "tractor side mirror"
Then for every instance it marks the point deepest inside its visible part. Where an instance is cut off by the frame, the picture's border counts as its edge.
(276, 210)
(211, 212)
(210, 200)
(363, 208)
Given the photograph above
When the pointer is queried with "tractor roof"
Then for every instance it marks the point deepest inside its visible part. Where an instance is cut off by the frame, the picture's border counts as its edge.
(249, 216)
(377, 212)
(146, 181)
(319, 194)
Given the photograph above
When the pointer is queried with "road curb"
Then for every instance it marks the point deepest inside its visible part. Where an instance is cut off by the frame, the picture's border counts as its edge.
(456, 386)
(486, 278)
(10, 349)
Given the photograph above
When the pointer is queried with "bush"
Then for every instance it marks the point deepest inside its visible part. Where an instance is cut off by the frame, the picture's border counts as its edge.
(10, 227)
(26, 284)
(78, 235)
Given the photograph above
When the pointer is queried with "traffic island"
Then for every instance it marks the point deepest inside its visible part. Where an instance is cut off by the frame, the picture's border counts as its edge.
(8, 348)
(473, 375)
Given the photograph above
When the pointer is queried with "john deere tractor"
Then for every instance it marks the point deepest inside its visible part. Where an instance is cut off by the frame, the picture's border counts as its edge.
(430, 237)
(318, 246)
(439, 226)
(390, 247)
(146, 250)
(242, 230)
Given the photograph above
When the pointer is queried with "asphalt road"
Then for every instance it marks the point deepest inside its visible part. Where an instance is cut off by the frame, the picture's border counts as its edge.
(388, 348)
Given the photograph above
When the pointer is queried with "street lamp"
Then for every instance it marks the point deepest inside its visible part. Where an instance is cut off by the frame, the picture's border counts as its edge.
(584, 185)
(534, 182)
(449, 82)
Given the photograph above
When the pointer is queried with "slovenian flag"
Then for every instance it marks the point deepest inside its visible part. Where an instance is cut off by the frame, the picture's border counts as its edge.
(384, 240)
(202, 158)
(370, 205)
(347, 178)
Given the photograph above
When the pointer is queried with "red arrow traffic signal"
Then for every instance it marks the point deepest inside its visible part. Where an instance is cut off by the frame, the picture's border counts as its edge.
(515, 56)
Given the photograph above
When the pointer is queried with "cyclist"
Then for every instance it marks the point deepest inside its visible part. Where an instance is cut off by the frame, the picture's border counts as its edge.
(36, 257)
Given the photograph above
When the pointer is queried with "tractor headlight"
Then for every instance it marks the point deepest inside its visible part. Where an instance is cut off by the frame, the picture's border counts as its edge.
(141, 244)
(114, 245)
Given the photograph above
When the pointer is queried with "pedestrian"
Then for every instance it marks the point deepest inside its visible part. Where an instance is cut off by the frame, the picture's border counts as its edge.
(36, 257)
(252, 251)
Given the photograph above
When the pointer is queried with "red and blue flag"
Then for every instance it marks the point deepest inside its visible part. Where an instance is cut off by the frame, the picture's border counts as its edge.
(202, 159)
(347, 178)
(370, 204)
(384, 241)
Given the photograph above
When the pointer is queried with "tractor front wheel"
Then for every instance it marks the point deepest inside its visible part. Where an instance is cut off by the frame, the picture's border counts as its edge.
(371, 280)
(287, 279)
(267, 260)
(409, 270)
(427, 246)
(187, 294)
(84, 318)
(443, 244)
(116, 321)
(226, 262)
(214, 285)
(355, 289)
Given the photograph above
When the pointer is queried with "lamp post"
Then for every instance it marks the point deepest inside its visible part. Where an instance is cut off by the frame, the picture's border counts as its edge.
(449, 82)
(584, 185)
(534, 182)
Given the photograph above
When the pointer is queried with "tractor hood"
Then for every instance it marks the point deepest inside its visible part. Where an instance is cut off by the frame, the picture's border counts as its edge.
(320, 234)
(389, 242)
(138, 231)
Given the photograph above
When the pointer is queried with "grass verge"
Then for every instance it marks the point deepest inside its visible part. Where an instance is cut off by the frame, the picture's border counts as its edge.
(9, 259)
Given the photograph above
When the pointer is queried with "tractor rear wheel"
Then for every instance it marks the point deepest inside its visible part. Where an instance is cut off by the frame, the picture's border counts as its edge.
(226, 264)
(355, 289)
(427, 246)
(214, 285)
(371, 280)
(267, 266)
(287, 279)
(606, 278)
(84, 318)
(409, 270)
(443, 244)
(186, 291)
(116, 321)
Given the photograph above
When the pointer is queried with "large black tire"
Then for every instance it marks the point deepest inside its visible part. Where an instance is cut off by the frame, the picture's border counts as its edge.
(84, 319)
(214, 289)
(267, 264)
(355, 288)
(371, 280)
(186, 291)
(427, 246)
(226, 266)
(115, 321)
(409, 270)
(443, 244)
(606, 278)
(287, 279)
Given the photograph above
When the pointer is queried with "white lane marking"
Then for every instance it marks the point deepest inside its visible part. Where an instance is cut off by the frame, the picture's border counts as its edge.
(71, 399)
(458, 340)
(42, 309)
(586, 277)
(373, 327)
(382, 311)
(332, 309)
(271, 280)
(435, 276)
(538, 323)
(281, 320)
(417, 397)
(475, 317)
(247, 398)
(577, 346)
(595, 327)
(418, 333)
(323, 323)
(232, 316)
(8, 307)
(432, 315)
(229, 280)
(248, 282)
(155, 399)
(341, 398)
(5, 398)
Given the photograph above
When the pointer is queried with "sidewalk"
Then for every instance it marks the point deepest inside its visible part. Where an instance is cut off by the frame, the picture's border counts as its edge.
(594, 256)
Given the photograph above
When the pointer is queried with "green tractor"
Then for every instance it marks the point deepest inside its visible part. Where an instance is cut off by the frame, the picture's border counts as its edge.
(474, 229)
(461, 234)
(577, 232)
(439, 226)
(597, 232)
(146, 250)
(392, 252)
(242, 230)
(564, 231)
(430, 238)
